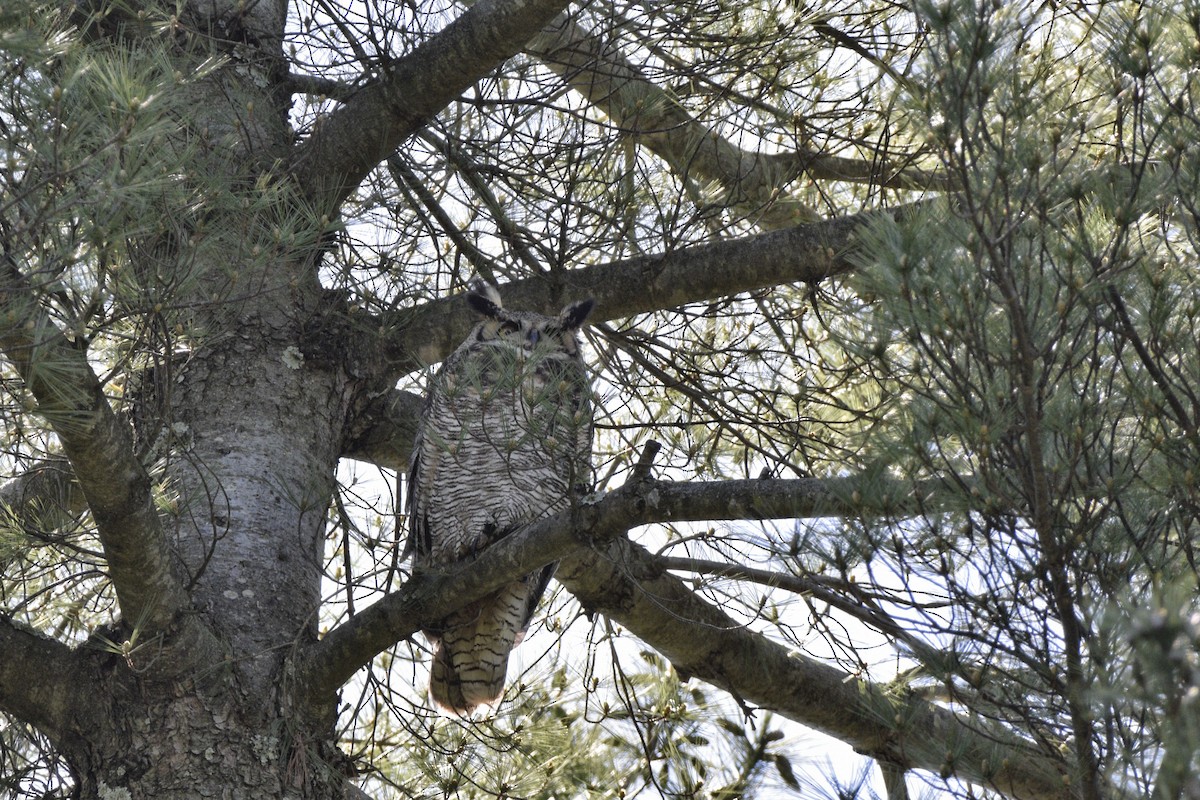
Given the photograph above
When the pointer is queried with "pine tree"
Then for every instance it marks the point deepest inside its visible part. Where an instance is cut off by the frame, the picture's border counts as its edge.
(895, 363)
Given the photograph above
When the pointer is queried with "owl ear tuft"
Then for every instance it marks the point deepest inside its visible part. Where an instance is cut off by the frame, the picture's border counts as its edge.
(574, 315)
(484, 298)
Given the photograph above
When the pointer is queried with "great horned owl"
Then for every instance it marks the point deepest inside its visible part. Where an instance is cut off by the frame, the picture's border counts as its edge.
(504, 440)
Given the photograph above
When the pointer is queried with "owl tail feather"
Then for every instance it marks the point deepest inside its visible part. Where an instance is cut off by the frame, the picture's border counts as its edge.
(446, 688)
(471, 658)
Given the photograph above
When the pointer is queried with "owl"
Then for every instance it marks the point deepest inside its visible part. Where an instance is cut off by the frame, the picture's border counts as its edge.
(504, 440)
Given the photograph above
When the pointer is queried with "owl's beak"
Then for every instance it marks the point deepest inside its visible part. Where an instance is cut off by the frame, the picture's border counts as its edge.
(532, 340)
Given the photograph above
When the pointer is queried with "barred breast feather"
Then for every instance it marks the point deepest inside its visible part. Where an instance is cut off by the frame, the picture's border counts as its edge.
(504, 440)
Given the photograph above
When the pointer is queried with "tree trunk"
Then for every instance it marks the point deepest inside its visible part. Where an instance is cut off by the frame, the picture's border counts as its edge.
(170, 741)
(254, 430)
(262, 434)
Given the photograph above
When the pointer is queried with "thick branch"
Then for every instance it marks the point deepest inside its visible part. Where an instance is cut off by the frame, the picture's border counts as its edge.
(610, 574)
(429, 597)
(428, 333)
(753, 180)
(42, 681)
(297, 83)
(600, 72)
(100, 449)
(113, 481)
(628, 584)
(809, 252)
(364, 131)
(384, 431)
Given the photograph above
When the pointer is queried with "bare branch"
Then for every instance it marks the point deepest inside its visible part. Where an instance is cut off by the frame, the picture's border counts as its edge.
(844, 597)
(362, 133)
(42, 681)
(809, 252)
(297, 83)
(428, 596)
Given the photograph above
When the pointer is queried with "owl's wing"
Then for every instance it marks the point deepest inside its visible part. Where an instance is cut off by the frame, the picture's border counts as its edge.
(418, 522)
(422, 464)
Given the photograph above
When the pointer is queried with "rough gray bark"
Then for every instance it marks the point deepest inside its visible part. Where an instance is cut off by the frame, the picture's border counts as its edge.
(51, 702)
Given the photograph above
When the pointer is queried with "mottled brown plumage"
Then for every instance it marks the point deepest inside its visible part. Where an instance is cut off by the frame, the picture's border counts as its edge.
(504, 440)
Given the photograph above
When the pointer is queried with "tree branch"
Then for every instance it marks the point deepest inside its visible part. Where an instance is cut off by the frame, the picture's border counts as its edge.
(893, 780)
(113, 481)
(809, 252)
(751, 180)
(298, 83)
(364, 131)
(100, 449)
(428, 596)
(42, 681)
(628, 585)
(383, 433)
(620, 579)
(599, 72)
(844, 598)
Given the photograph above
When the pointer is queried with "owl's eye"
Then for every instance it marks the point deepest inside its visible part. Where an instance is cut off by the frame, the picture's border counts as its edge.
(508, 328)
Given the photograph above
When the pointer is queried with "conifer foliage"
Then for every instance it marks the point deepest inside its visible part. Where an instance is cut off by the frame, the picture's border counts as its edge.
(894, 355)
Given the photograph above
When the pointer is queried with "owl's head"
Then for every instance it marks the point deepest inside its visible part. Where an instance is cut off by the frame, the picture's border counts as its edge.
(525, 330)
